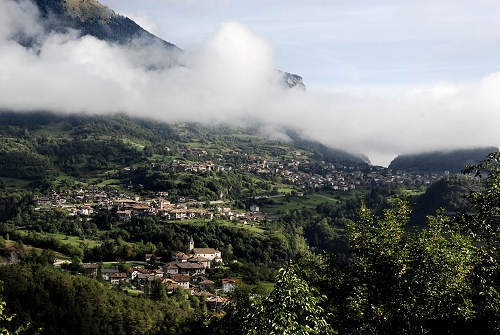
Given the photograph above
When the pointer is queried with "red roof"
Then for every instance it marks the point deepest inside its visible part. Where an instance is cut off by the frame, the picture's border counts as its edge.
(180, 278)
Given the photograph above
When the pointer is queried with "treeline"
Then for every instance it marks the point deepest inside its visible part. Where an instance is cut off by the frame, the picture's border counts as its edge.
(14, 204)
(61, 303)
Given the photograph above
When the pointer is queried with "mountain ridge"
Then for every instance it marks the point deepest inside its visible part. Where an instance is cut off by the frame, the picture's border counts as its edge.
(440, 161)
(90, 17)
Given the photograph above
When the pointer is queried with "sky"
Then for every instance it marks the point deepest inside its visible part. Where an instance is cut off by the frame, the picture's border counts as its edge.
(355, 45)
(383, 77)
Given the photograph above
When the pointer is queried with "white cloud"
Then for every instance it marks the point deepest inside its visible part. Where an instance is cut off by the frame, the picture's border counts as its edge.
(231, 79)
(143, 20)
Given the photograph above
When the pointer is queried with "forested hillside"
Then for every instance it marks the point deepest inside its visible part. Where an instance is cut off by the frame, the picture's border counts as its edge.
(440, 161)
(44, 148)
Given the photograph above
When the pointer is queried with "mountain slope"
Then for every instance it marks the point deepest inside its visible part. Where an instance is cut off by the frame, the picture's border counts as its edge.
(38, 146)
(440, 161)
(92, 18)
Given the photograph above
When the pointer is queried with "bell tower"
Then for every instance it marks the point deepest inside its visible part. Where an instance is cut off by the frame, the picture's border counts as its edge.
(191, 244)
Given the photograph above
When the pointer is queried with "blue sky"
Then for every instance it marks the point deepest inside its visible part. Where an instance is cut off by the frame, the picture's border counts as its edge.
(346, 45)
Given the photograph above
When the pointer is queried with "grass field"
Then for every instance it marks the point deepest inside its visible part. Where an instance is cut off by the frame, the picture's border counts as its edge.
(109, 182)
(308, 201)
(74, 240)
(27, 247)
(198, 222)
(253, 228)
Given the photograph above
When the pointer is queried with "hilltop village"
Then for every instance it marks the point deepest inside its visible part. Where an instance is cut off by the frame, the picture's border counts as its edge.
(186, 271)
(300, 170)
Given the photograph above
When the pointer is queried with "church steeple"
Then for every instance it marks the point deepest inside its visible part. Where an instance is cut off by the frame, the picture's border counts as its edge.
(191, 244)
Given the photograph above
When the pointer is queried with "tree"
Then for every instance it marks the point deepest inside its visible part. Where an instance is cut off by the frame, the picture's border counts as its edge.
(158, 292)
(6, 319)
(484, 226)
(293, 307)
(409, 283)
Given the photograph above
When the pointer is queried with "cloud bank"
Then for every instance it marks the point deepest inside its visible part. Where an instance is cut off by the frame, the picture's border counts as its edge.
(231, 79)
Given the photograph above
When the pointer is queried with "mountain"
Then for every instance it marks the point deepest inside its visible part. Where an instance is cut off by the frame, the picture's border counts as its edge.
(448, 192)
(92, 18)
(440, 161)
(40, 146)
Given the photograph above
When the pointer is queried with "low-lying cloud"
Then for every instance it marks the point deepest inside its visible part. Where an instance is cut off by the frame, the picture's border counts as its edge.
(231, 79)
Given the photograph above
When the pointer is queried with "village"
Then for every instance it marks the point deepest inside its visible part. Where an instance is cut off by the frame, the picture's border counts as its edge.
(301, 171)
(93, 199)
(186, 271)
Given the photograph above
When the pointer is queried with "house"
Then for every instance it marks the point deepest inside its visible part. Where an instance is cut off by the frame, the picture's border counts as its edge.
(215, 303)
(157, 274)
(201, 260)
(228, 285)
(85, 210)
(181, 280)
(125, 215)
(171, 268)
(116, 278)
(134, 272)
(106, 273)
(147, 257)
(254, 208)
(191, 269)
(144, 278)
(91, 268)
(181, 257)
(208, 253)
(206, 284)
(172, 287)
(170, 284)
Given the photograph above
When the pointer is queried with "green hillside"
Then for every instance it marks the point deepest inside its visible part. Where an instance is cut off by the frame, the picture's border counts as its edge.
(47, 149)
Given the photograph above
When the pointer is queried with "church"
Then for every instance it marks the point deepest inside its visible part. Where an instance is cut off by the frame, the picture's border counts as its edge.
(209, 253)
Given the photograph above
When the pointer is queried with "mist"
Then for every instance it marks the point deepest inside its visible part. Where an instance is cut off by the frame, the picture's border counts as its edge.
(232, 79)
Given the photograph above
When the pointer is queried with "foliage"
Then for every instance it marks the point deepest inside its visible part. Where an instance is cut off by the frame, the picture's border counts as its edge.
(484, 226)
(6, 319)
(448, 192)
(61, 303)
(293, 307)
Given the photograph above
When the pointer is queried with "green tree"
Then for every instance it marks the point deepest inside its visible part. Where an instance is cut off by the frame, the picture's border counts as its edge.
(484, 226)
(158, 292)
(6, 324)
(409, 283)
(292, 307)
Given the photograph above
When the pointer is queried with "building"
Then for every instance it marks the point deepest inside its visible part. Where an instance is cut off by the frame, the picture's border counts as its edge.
(116, 278)
(106, 273)
(200, 260)
(181, 280)
(91, 268)
(228, 285)
(208, 253)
